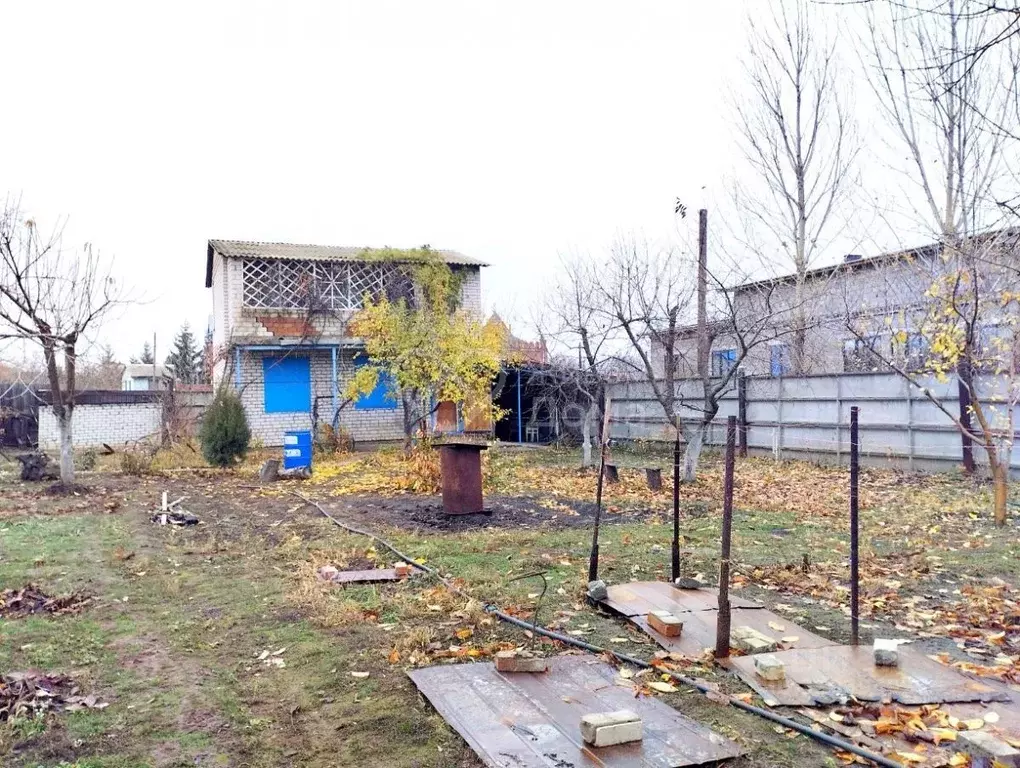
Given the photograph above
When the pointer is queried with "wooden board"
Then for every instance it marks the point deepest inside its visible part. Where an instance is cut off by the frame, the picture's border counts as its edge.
(365, 577)
(642, 597)
(700, 626)
(852, 671)
(526, 720)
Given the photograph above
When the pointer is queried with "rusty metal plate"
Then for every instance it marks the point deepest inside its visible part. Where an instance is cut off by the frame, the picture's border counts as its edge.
(365, 577)
(813, 675)
(524, 720)
(1008, 725)
(699, 630)
(642, 597)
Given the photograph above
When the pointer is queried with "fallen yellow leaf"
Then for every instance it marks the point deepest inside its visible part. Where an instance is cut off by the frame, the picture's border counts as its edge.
(910, 757)
(661, 687)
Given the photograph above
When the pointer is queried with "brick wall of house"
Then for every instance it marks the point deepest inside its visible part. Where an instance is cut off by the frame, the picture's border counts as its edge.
(471, 290)
(891, 291)
(93, 425)
(236, 324)
(363, 425)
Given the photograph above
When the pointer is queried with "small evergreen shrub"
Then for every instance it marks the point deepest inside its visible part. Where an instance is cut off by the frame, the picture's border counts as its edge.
(225, 434)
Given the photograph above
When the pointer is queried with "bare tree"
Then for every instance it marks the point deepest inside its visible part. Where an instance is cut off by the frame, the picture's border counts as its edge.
(940, 103)
(52, 297)
(799, 139)
(650, 295)
(937, 101)
(1000, 23)
(570, 317)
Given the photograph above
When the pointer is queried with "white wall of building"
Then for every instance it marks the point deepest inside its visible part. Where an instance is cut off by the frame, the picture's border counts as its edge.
(93, 425)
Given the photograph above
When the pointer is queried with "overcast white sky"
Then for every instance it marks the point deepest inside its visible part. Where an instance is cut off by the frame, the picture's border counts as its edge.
(511, 132)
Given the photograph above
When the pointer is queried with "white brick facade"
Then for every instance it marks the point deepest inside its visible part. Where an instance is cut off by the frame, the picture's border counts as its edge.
(471, 290)
(236, 326)
(363, 425)
(93, 425)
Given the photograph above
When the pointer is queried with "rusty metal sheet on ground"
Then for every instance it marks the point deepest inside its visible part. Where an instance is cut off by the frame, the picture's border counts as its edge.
(528, 720)
(699, 630)
(1008, 724)
(365, 577)
(642, 597)
(814, 675)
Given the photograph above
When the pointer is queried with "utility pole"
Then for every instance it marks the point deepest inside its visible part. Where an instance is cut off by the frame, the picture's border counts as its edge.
(703, 351)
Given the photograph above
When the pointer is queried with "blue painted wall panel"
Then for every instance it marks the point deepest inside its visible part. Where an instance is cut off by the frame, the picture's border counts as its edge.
(287, 384)
(381, 396)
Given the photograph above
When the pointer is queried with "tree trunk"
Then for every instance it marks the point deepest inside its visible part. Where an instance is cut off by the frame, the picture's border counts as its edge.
(589, 418)
(66, 449)
(1000, 483)
(692, 452)
(407, 401)
(798, 358)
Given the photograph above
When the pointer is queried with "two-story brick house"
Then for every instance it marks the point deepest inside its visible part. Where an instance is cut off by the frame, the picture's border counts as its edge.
(882, 296)
(280, 316)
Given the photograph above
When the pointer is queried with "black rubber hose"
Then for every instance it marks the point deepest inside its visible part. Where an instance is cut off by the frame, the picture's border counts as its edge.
(786, 722)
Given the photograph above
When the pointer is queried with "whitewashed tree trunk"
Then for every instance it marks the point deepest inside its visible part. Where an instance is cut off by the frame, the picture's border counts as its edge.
(692, 453)
(66, 449)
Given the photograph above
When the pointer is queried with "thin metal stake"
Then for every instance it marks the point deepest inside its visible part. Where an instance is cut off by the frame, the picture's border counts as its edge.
(593, 558)
(722, 633)
(676, 510)
(855, 448)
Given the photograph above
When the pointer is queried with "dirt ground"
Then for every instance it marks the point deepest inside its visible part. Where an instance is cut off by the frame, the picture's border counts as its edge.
(217, 644)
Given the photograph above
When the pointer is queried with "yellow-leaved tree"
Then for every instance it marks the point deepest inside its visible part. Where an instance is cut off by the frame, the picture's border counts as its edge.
(428, 346)
(965, 326)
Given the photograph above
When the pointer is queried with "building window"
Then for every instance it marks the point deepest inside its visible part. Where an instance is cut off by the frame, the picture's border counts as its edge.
(779, 362)
(910, 349)
(321, 285)
(860, 355)
(723, 361)
(286, 384)
(382, 396)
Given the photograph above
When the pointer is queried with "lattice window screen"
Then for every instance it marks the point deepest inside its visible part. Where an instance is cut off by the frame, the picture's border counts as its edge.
(292, 284)
(332, 282)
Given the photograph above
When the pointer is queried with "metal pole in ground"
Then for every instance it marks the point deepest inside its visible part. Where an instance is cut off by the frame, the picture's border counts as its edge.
(722, 630)
(742, 414)
(675, 549)
(855, 447)
(593, 558)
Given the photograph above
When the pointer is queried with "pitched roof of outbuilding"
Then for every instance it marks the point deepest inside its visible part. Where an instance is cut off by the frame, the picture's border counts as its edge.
(241, 249)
